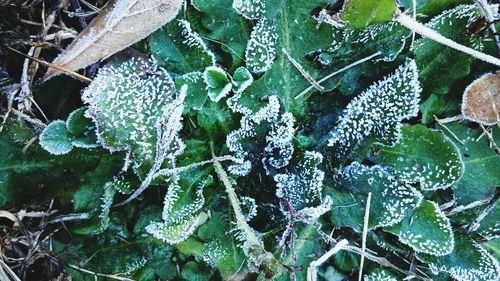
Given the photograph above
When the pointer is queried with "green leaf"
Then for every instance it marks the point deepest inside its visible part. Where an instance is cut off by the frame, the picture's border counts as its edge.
(380, 274)
(82, 129)
(56, 138)
(488, 224)
(182, 208)
(425, 156)
(426, 230)
(218, 84)
(480, 178)
(378, 111)
(223, 25)
(469, 261)
(128, 101)
(392, 199)
(302, 188)
(360, 13)
(282, 25)
(193, 271)
(178, 48)
(439, 65)
(196, 94)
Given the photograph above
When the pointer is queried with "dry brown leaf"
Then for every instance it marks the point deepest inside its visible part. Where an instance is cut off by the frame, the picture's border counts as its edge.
(481, 100)
(120, 24)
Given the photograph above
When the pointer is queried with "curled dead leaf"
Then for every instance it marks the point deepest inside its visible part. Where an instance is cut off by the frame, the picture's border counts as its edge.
(120, 24)
(481, 100)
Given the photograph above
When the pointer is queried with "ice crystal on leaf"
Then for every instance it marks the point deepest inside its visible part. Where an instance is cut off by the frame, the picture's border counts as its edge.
(380, 275)
(267, 125)
(378, 111)
(261, 49)
(250, 9)
(181, 212)
(425, 156)
(392, 198)
(469, 261)
(129, 101)
(302, 189)
(427, 230)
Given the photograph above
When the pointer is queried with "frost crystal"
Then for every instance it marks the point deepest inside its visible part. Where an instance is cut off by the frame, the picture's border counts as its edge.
(392, 199)
(302, 190)
(268, 125)
(428, 231)
(181, 213)
(128, 101)
(261, 49)
(378, 111)
(194, 41)
(250, 9)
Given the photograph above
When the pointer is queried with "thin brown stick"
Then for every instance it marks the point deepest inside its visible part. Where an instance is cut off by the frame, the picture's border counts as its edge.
(304, 73)
(67, 71)
(110, 276)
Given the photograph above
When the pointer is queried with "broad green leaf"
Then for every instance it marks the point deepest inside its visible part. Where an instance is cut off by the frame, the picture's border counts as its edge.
(284, 26)
(480, 178)
(378, 111)
(425, 156)
(426, 229)
(220, 250)
(128, 101)
(194, 271)
(469, 261)
(360, 13)
(56, 139)
(196, 95)
(82, 129)
(179, 49)
(439, 65)
(225, 27)
(392, 199)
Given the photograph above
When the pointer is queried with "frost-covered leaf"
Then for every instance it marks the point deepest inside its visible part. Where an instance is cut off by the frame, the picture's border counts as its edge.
(82, 129)
(265, 137)
(469, 261)
(481, 100)
(56, 138)
(425, 156)
(440, 65)
(114, 29)
(392, 198)
(378, 111)
(128, 102)
(218, 83)
(242, 79)
(220, 250)
(360, 13)
(380, 274)
(221, 23)
(196, 95)
(488, 224)
(182, 209)
(480, 179)
(261, 49)
(178, 48)
(297, 33)
(426, 229)
(302, 188)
